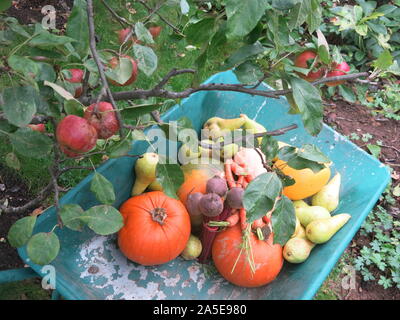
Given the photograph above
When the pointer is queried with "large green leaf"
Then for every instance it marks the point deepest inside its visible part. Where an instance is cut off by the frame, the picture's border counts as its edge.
(143, 33)
(103, 219)
(269, 146)
(21, 231)
(243, 16)
(243, 54)
(260, 195)
(19, 104)
(43, 247)
(103, 189)
(24, 65)
(71, 216)
(170, 176)
(283, 220)
(284, 4)
(147, 59)
(47, 40)
(384, 61)
(299, 14)
(31, 143)
(120, 149)
(309, 102)
(122, 72)
(132, 112)
(201, 31)
(77, 27)
(5, 4)
(248, 72)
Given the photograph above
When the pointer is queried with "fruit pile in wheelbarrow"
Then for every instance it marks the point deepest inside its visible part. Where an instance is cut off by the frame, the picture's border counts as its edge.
(235, 208)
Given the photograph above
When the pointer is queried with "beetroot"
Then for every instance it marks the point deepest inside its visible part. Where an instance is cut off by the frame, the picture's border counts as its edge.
(211, 205)
(234, 198)
(217, 185)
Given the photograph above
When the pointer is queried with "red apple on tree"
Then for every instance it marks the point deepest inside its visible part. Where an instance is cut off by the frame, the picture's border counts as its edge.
(37, 127)
(339, 69)
(115, 62)
(123, 35)
(103, 119)
(155, 31)
(305, 60)
(75, 135)
(76, 77)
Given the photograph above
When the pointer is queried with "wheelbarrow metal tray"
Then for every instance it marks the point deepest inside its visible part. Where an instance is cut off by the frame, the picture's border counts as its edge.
(91, 266)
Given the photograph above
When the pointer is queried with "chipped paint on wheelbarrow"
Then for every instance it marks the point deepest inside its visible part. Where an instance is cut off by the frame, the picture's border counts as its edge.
(91, 266)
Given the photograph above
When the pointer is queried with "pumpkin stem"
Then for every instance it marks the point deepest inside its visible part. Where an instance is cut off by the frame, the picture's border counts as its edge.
(159, 215)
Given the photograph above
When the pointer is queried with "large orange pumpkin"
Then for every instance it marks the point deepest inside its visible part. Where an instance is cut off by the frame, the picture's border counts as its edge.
(156, 228)
(228, 256)
(196, 177)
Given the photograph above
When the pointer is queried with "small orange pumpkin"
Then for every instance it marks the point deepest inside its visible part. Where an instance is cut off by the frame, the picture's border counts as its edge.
(156, 228)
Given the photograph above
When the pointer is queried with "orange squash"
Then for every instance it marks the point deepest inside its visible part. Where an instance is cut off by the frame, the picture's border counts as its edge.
(233, 263)
(156, 228)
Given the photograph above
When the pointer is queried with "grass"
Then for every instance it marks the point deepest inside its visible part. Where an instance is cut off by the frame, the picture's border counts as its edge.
(24, 290)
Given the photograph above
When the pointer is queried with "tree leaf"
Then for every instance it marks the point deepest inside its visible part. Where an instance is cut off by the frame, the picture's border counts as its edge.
(12, 161)
(283, 220)
(5, 4)
(313, 153)
(299, 13)
(60, 90)
(19, 104)
(78, 29)
(201, 31)
(374, 149)
(384, 61)
(142, 33)
(73, 106)
(24, 65)
(184, 7)
(122, 72)
(248, 72)
(243, 16)
(347, 93)
(103, 219)
(47, 40)
(170, 176)
(21, 231)
(71, 216)
(103, 189)
(120, 149)
(43, 247)
(46, 72)
(30, 143)
(270, 147)
(133, 112)
(309, 101)
(147, 59)
(260, 195)
(243, 54)
(283, 4)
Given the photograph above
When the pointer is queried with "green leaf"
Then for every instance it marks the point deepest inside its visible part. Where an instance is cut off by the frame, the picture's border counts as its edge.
(299, 13)
(12, 161)
(260, 195)
(283, 220)
(248, 72)
(170, 176)
(312, 153)
(30, 143)
(300, 163)
(324, 54)
(270, 147)
(47, 40)
(122, 72)
(19, 104)
(43, 247)
(71, 216)
(309, 101)
(384, 61)
(283, 4)
(78, 29)
(103, 189)
(133, 112)
(73, 107)
(21, 231)
(142, 33)
(5, 4)
(184, 7)
(243, 16)
(347, 94)
(103, 219)
(287, 152)
(200, 32)
(60, 90)
(24, 65)
(243, 54)
(173, 128)
(362, 29)
(146, 58)
(46, 72)
(374, 149)
(120, 149)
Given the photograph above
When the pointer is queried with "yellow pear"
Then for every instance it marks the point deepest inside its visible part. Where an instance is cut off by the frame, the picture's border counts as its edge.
(297, 229)
(311, 213)
(187, 153)
(145, 171)
(301, 232)
(155, 186)
(321, 230)
(328, 196)
(297, 250)
(193, 248)
(300, 204)
(253, 126)
(218, 126)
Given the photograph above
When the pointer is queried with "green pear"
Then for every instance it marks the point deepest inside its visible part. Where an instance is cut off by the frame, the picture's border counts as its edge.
(328, 196)
(321, 230)
(187, 153)
(145, 171)
(300, 204)
(297, 250)
(229, 150)
(297, 229)
(155, 186)
(253, 126)
(193, 248)
(218, 127)
(311, 213)
(301, 232)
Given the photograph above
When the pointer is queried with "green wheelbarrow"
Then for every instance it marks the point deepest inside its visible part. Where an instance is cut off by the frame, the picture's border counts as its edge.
(91, 266)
